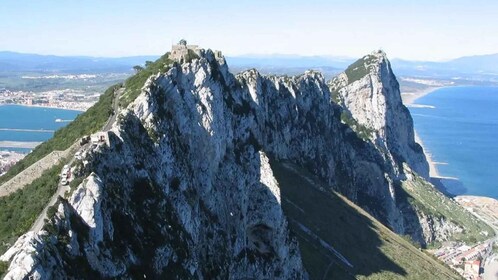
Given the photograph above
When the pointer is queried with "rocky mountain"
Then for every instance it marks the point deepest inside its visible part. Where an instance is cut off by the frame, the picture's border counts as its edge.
(184, 185)
(369, 93)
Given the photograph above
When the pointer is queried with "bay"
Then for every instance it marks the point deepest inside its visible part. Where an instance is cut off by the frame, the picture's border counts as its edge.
(31, 124)
(459, 128)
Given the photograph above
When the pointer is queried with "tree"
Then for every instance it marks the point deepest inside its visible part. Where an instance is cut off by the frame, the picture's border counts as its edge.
(148, 63)
(138, 68)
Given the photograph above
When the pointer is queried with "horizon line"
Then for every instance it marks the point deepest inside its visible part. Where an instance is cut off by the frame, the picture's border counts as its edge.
(248, 55)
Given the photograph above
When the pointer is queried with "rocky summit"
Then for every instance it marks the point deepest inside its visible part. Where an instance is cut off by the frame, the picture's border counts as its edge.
(184, 185)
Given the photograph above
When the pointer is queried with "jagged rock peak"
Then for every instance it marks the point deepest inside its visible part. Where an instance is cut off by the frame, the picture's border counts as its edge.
(370, 64)
(185, 186)
(369, 93)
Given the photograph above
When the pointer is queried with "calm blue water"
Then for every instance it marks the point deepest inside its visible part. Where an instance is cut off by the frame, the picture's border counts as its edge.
(462, 130)
(34, 118)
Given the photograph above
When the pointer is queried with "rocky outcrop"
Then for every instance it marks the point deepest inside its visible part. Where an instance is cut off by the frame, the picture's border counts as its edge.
(184, 187)
(437, 229)
(369, 92)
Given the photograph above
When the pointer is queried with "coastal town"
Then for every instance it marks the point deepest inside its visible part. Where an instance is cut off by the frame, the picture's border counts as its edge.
(56, 90)
(468, 261)
(479, 261)
(70, 99)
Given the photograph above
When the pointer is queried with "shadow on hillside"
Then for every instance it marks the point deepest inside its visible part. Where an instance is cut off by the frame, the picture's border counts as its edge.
(449, 186)
(332, 222)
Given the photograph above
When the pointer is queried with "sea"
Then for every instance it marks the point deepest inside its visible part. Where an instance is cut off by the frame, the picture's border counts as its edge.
(30, 124)
(459, 128)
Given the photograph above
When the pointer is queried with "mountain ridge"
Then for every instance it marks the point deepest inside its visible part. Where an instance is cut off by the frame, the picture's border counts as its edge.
(197, 111)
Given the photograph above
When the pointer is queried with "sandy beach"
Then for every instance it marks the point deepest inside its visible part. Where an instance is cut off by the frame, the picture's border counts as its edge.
(432, 164)
(410, 97)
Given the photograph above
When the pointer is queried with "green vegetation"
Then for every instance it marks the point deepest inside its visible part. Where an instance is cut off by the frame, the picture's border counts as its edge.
(52, 210)
(19, 210)
(89, 122)
(335, 96)
(135, 83)
(362, 131)
(3, 268)
(358, 69)
(75, 183)
(424, 197)
(374, 251)
(137, 68)
(191, 55)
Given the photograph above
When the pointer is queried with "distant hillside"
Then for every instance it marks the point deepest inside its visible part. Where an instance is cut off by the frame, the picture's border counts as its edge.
(21, 62)
(468, 66)
(339, 240)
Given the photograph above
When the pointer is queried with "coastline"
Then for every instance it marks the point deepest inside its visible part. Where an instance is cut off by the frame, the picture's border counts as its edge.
(433, 172)
(409, 99)
(43, 106)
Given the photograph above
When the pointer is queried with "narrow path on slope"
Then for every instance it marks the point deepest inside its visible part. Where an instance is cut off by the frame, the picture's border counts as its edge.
(115, 110)
(61, 189)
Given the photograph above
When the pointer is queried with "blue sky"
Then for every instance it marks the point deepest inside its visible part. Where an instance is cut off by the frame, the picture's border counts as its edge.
(421, 30)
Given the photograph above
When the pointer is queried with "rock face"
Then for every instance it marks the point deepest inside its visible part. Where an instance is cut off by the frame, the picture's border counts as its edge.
(184, 188)
(369, 92)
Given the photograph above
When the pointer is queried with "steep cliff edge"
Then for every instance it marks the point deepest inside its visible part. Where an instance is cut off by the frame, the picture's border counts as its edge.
(183, 188)
(369, 93)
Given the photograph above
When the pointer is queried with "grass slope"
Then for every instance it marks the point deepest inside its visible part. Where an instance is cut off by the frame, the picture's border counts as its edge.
(135, 83)
(359, 69)
(426, 198)
(19, 210)
(374, 251)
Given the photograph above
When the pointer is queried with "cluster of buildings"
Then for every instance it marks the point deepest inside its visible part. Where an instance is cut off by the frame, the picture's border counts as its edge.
(64, 99)
(465, 259)
(180, 51)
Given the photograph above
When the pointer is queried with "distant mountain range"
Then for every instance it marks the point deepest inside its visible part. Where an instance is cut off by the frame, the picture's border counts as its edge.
(468, 65)
(478, 66)
(20, 62)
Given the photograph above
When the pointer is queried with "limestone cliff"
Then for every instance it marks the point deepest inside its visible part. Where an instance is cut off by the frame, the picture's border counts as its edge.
(369, 93)
(183, 187)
